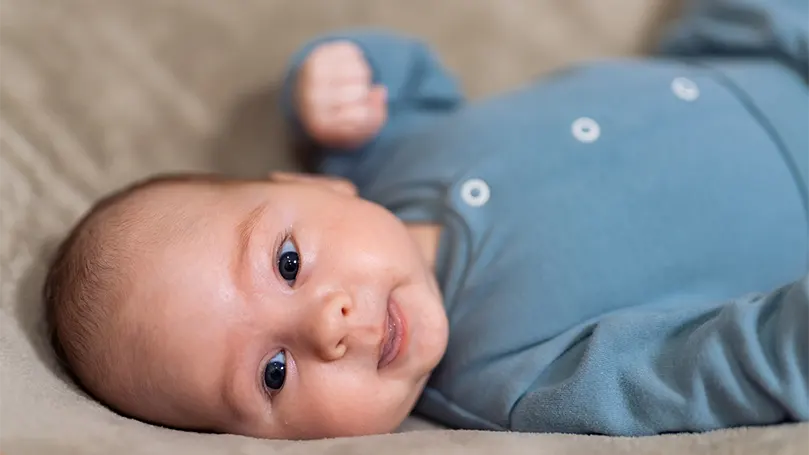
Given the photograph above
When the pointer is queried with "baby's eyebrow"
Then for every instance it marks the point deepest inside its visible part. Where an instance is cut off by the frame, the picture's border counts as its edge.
(244, 232)
(245, 228)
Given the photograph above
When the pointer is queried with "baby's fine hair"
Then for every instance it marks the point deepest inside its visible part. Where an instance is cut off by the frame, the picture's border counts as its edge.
(88, 275)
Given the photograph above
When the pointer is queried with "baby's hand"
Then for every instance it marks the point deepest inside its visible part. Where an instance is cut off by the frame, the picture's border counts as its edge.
(336, 101)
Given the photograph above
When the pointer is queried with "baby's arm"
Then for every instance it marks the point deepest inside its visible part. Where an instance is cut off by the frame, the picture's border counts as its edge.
(415, 85)
(645, 372)
(751, 28)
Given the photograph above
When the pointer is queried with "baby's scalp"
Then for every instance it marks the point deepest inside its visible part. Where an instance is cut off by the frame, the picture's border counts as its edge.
(90, 280)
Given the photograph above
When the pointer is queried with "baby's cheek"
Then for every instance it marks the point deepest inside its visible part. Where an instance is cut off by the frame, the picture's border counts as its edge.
(356, 407)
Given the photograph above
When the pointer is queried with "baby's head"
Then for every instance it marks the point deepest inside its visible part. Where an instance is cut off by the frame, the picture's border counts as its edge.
(288, 308)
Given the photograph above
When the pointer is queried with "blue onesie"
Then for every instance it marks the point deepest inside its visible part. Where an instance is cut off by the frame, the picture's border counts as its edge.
(624, 248)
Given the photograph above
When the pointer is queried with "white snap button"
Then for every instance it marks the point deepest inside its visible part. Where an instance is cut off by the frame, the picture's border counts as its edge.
(586, 129)
(475, 192)
(685, 89)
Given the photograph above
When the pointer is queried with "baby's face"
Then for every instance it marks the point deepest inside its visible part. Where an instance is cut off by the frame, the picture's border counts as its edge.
(280, 310)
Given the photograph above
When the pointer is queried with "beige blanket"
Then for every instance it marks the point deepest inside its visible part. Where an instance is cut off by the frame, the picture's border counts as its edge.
(96, 93)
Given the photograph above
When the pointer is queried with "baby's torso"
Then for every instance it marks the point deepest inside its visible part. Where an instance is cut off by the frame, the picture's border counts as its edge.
(609, 186)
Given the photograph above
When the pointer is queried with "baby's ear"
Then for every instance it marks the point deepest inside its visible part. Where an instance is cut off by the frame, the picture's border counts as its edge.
(336, 184)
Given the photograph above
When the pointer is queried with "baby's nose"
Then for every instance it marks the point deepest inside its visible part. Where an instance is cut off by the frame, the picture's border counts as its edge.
(330, 325)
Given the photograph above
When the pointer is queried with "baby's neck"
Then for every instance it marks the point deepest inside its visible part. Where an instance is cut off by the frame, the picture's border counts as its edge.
(427, 237)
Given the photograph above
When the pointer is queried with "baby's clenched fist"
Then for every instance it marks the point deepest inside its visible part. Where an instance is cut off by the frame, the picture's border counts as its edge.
(337, 102)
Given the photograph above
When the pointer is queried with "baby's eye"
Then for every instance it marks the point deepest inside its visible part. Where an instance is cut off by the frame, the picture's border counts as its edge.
(288, 262)
(275, 372)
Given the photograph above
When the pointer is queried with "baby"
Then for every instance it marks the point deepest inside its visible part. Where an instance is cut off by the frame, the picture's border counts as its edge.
(620, 249)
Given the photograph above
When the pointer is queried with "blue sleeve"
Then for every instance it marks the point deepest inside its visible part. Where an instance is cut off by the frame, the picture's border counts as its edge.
(418, 86)
(647, 372)
(763, 28)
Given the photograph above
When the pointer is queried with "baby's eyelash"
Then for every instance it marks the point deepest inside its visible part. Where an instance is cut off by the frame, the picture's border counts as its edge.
(285, 235)
(286, 241)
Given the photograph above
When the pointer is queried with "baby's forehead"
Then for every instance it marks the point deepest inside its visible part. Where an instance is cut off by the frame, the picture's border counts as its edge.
(166, 228)
(176, 230)
(179, 192)
(164, 204)
(130, 234)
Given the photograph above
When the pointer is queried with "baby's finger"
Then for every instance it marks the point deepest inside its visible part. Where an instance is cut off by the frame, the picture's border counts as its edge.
(339, 122)
(378, 97)
(342, 95)
(356, 102)
(345, 57)
(351, 116)
(325, 102)
(377, 109)
(352, 71)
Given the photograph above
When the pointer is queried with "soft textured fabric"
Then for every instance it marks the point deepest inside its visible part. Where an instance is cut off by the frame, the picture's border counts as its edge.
(94, 94)
(625, 242)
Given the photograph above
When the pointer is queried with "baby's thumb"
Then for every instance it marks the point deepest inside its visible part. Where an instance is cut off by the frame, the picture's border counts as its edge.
(377, 107)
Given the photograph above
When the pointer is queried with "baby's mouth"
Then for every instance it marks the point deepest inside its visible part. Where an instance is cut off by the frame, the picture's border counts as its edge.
(391, 343)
